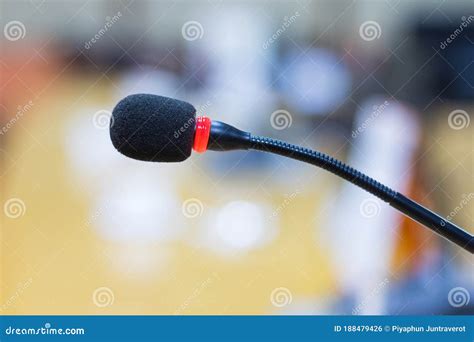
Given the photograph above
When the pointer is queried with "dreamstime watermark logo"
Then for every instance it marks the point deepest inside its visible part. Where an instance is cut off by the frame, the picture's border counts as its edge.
(184, 127)
(103, 119)
(458, 119)
(103, 296)
(280, 297)
(281, 119)
(202, 109)
(192, 30)
(287, 22)
(370, 30)
(191, 122)
(20, 289)
(375, 291)
(285, 203)
(464, 23)
(462, 204)
(14, 208)
(369, 208)
(197, 292)
(458, 296)
(95, 216)
(14, 30)
(21, 110)
(377, 111)
(47, 329)
(192, 208)
(109, 22)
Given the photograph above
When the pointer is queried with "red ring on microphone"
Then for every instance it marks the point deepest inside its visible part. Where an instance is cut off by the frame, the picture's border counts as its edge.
(201, 134)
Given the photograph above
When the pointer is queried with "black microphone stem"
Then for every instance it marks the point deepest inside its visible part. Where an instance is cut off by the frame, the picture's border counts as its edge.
(398, 201)
(224, 137)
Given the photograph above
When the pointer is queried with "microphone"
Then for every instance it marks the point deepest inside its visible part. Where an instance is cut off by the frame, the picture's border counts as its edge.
(161, 129)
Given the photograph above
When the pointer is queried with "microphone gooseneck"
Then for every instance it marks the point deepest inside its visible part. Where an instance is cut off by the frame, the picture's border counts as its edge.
(398, 201)
(224, 137)
(324, 161)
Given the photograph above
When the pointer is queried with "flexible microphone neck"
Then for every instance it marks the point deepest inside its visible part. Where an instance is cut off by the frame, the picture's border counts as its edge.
(224, 137)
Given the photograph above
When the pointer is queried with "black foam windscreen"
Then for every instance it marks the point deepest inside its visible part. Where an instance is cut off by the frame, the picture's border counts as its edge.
(153, 128)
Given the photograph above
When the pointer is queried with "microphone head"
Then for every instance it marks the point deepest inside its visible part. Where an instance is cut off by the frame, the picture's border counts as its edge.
(153, 128)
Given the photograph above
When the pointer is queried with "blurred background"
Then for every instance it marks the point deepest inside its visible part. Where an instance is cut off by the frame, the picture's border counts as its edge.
(386, 86)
